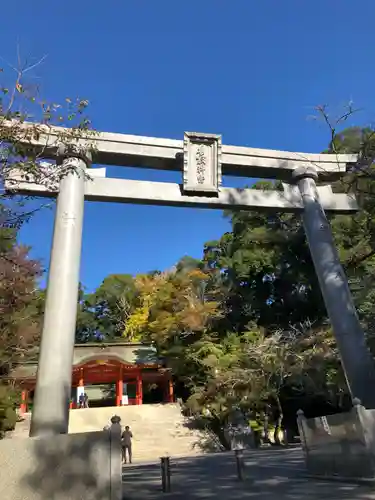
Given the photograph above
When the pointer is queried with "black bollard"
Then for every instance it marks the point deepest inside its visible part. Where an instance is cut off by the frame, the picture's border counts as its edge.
(240, 464)
(165, 474)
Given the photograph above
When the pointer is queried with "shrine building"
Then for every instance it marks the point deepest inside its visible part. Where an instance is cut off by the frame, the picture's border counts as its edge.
(116, 374)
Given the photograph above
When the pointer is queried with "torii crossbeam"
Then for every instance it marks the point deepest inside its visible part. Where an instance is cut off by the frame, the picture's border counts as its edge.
(202, 160)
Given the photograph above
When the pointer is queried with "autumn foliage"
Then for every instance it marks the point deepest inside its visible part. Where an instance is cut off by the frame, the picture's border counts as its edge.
(20, 318)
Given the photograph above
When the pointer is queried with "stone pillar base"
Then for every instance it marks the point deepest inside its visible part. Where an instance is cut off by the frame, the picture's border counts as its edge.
(64, 467)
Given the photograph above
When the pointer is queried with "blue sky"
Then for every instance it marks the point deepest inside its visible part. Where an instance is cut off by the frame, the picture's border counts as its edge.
(251, 70)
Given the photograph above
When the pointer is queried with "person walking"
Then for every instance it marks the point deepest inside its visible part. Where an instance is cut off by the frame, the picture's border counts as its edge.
(126, 443)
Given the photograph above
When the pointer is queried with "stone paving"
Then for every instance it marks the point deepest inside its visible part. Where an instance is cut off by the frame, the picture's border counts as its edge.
(270, 475)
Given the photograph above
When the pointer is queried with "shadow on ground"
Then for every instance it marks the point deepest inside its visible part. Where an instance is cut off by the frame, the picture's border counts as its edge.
(208, 441)
(270, 475)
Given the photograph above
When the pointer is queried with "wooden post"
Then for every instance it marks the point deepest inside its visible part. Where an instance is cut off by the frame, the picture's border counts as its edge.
(23, 406)
(170, 391)
(139, 389)
(165, 474)
(119, 388)
(240, 464)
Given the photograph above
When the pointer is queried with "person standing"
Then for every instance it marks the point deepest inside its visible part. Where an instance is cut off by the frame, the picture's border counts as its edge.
(81, 401)
(126, 443)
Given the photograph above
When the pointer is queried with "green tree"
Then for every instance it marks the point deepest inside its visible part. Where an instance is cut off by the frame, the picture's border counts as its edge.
(266, 269)
(102, 315)
(355, 235)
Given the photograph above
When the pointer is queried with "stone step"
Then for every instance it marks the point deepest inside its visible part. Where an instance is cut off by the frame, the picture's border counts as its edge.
(158, 430)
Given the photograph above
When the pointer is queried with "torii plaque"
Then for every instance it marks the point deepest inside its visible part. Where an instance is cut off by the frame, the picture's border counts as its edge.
(202, 163)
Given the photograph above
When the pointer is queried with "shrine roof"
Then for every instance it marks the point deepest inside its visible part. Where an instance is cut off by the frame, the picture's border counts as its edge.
(125, 352)
(122, 352)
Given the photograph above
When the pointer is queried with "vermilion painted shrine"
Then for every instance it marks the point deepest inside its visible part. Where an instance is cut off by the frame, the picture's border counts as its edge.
(128, 366)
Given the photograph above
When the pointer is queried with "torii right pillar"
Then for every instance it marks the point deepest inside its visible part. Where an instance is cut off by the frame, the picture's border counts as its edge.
(357, 361)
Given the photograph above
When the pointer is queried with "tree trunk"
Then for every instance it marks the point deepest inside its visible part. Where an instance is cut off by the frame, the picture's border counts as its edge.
(218, 428)
(278, 422)
(265, 428)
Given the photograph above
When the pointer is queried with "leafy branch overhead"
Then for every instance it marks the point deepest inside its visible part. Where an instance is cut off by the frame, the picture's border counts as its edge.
(31, 128)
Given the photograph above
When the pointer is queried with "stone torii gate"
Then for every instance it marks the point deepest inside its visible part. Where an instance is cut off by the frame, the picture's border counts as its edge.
(201, 159)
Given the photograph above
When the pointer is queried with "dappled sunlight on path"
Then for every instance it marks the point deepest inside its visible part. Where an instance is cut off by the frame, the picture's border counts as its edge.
(270, 475)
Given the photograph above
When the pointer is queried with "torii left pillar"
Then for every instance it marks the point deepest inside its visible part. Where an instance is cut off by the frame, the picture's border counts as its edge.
(50, 414)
